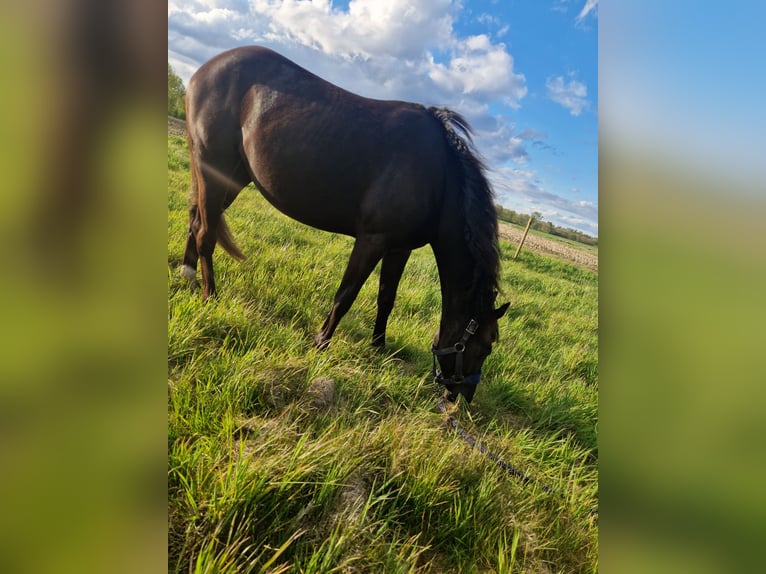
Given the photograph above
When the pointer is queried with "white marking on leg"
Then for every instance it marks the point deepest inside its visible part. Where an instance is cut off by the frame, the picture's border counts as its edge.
(188, 272)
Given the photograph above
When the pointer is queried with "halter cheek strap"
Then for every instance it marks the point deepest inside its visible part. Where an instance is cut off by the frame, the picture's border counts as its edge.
(458, 349)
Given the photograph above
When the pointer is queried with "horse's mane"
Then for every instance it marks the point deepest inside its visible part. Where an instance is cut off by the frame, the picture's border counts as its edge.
(478, 204)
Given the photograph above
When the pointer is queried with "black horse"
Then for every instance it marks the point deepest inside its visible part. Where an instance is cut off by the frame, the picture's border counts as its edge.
(394, 175)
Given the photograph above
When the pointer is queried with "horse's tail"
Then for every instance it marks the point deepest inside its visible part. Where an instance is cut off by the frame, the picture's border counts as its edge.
(226, 240)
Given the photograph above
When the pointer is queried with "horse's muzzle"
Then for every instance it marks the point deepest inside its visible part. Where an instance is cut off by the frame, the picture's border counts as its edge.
(452, 391)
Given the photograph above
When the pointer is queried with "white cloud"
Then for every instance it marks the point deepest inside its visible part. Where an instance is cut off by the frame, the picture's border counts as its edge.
(479, 67)
(590, 6)
(485, 18)
(399, 49)
(501, 144)
(407, 47)
(396, 28)
(523, 190)
(571, 95)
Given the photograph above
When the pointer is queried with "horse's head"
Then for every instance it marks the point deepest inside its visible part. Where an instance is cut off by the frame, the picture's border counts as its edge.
(461, 349)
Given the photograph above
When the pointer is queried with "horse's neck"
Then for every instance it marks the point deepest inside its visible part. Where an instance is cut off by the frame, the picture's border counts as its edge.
(456, 269)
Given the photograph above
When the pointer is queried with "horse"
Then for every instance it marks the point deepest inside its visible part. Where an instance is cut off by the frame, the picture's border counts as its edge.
(394, 175)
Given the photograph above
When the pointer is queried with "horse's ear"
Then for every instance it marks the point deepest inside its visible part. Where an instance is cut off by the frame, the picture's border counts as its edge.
(500, 311)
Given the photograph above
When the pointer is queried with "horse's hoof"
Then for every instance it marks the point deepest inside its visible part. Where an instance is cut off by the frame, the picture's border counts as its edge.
(209, 296)
(320, 342)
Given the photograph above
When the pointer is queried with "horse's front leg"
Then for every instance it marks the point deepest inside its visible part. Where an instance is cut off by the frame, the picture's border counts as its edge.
(365, 255)
(390, 273)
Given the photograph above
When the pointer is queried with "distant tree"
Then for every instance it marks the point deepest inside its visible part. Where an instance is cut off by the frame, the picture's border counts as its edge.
(176, 95)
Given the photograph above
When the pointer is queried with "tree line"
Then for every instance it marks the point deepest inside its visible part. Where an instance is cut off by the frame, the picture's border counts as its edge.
(510, 216)
(176, 95)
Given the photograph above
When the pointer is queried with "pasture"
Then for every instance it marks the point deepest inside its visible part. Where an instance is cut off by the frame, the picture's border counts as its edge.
(283, 458)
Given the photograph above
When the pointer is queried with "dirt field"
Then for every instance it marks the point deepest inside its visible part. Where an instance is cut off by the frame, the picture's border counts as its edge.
(558, 249)
(176, 127)
(508, 232)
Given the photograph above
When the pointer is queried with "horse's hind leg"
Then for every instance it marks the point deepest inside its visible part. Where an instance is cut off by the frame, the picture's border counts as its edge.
(365, 255)
(216, 190)
(189, 267)
(211, 205)
(191, 255)
(391, 270)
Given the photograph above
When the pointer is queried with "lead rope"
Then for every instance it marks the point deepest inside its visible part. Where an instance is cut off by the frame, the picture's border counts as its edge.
(510, 469)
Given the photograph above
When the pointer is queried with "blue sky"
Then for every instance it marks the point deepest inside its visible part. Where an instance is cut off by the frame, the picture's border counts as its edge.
(684, 83)
(524, 73)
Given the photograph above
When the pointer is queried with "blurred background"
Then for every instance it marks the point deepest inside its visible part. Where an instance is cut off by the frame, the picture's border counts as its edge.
(83, 289)
(82, 293)
(682, 198)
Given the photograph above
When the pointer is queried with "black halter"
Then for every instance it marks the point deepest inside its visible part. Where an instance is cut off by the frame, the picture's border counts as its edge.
(458, 348)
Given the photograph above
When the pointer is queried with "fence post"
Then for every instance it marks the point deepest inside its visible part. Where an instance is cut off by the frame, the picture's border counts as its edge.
(523, 237)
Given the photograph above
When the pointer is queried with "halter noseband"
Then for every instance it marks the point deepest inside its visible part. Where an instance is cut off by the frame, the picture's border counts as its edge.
(458, 349)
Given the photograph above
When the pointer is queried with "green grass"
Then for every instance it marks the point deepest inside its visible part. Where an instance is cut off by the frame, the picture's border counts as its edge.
(261, 480)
